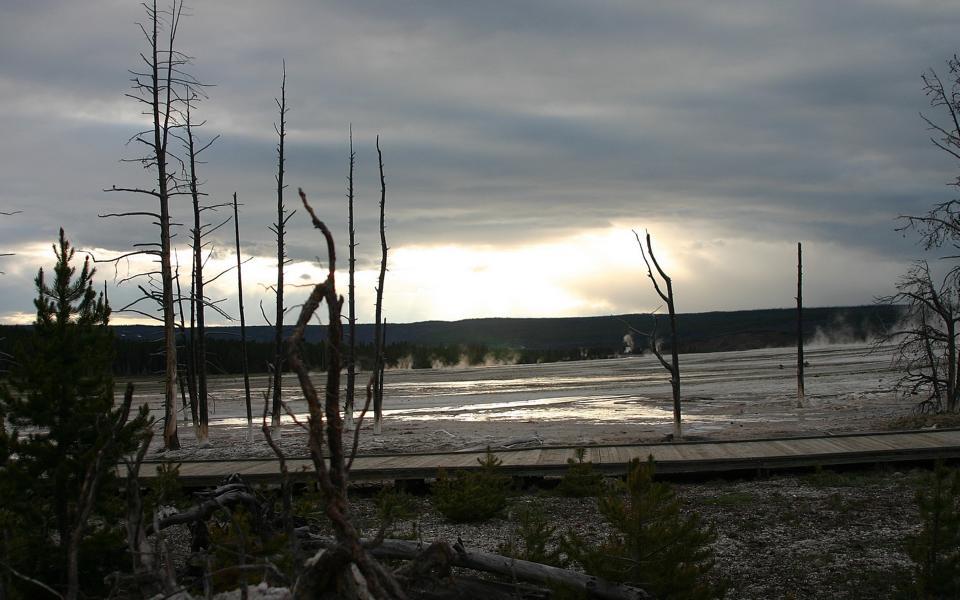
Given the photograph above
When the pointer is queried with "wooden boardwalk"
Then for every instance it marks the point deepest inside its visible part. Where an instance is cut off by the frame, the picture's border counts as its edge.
(671, 458)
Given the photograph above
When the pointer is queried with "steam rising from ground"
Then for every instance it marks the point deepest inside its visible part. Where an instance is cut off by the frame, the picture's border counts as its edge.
(490, 359)
(842, 331)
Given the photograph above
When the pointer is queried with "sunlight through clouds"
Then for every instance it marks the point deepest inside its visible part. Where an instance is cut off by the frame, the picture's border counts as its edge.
(455, 282)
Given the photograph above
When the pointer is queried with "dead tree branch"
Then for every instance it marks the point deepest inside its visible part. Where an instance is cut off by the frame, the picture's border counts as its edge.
(326, 443)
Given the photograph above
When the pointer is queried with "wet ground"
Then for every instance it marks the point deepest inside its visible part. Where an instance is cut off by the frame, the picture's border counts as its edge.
(725, 395)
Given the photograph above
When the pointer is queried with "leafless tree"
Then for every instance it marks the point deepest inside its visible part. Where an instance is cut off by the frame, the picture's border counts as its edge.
(351, 300)
(200, 230)
(279, 228)
(379, 361)
(243, 322)
(926, 338)
(941, 225)
(188, 383)
(155, 86)
(672, 367)
(800, 390)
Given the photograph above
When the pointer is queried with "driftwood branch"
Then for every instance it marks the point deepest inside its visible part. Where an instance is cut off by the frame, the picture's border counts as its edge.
(356, 567)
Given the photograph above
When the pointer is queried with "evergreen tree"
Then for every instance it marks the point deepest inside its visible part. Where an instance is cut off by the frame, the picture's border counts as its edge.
(935, 550)
(656, 547)
(59, 408)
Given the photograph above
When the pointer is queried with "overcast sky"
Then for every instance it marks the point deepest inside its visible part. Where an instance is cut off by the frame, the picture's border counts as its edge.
(522, 141)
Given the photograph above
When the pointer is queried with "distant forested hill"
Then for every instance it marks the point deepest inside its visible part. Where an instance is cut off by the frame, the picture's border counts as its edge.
(475, 341)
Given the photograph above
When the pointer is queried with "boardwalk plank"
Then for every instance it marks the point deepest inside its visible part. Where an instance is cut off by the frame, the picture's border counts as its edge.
(680, 457)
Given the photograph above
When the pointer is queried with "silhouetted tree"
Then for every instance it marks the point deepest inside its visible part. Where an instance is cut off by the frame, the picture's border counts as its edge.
(672, 367)
(800, 390)
(200, 230)
(351, 300)
(155, 87)
(927, 338)
(279, 228)
(245, 365)
(379, 328)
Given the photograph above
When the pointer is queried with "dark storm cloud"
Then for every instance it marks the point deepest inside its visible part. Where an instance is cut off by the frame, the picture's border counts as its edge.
(502, 122)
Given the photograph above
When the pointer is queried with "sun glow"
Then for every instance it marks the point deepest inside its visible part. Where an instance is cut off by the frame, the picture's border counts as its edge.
(548, 279)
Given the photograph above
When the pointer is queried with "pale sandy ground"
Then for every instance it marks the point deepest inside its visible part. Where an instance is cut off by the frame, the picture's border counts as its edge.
(730, 395)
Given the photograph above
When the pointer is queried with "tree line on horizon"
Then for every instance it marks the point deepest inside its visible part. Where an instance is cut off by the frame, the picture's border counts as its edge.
(710, 332)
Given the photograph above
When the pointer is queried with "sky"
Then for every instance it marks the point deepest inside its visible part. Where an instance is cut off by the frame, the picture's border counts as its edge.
(522, 142)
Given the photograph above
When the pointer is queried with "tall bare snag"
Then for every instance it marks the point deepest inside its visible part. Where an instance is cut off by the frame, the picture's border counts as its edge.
(243, 322)
(154, 86)
(279, 228)
(378, 365)
(351, 300)
(672, 367)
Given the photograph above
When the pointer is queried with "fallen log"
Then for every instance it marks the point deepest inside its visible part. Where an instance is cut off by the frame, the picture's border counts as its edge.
(514, 569)
(534, 440)
(226, 496)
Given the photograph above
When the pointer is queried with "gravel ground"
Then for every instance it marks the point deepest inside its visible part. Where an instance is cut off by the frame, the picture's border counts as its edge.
(817, 535)
(807, 536)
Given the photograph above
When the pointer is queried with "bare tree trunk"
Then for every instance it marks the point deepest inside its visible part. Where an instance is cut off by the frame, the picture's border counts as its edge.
(187, 383)
(674, 356)
(161, 132)
(383, 360)
(351, 301)
(673, 367)
(800, 391)
(378, 327)
(282, 218)
(243, 323)
(199, 343)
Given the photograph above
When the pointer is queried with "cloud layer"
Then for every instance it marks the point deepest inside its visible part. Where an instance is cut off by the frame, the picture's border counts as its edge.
(511, 131)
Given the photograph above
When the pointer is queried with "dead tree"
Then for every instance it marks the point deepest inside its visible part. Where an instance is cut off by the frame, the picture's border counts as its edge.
(672, 367)
(348, 566)
(927, 347)
(800, 392)
(926, 338)
(188, 384)
(941, 225)
(378, 320)
(154, 86)
(351, 300)
(197, 298)
(243, 322)
(278, 228)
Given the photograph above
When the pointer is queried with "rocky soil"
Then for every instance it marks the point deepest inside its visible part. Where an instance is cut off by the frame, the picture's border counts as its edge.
(816, 535)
